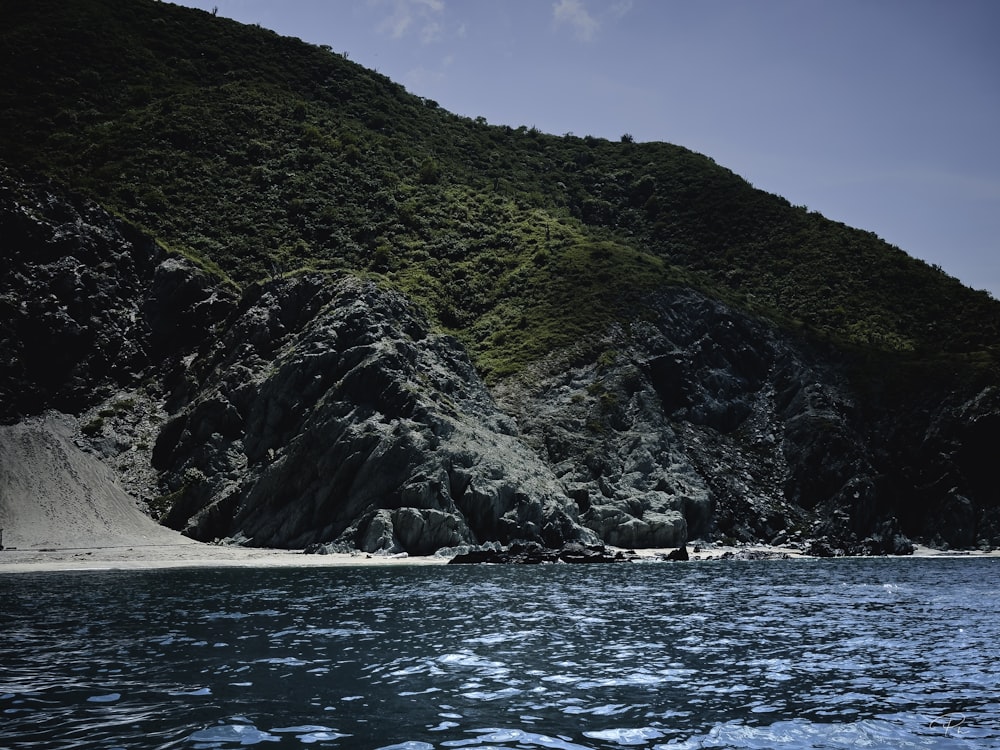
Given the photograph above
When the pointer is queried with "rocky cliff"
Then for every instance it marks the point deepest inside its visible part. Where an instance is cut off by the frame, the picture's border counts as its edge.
(328, 412)
(322, 410)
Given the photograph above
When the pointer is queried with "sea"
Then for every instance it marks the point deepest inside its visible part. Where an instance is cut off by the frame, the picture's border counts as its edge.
(837, 653)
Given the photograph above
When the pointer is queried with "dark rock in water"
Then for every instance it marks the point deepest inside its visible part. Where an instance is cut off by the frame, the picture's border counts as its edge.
(592, 553)
(754, 554)
(680, 554)
(823, 548)
(887, 539)
(534, 554)
(515, 554)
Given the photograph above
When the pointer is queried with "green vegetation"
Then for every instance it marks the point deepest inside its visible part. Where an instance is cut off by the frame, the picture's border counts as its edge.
(259, 155)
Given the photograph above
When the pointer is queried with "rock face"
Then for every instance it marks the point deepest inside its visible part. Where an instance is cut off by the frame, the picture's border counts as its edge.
(328, 412)
(323, 411)
(87, 303)
(90, 309)
(703, 421)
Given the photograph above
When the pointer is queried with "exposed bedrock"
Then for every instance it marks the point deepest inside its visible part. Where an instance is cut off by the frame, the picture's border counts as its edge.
(88, 304)
(719, 422)
(324, 411)
(330, 414)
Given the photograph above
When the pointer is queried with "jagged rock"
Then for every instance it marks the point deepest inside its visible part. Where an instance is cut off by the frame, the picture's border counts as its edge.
(695, 414)
(69, 290)
(418, 531)
(823, 547)
(652, 530)
(679, 554)
(324, 412)
(886, 540)
(379, 534)
(747, 433)
(346, 420)
(574, 553)
(533, 554)
(758, 554)
(84, 308)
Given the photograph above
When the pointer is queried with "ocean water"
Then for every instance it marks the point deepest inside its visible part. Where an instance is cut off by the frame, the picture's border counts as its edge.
(878, 653)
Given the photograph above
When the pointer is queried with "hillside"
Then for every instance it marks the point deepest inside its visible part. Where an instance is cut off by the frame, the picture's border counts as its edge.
(259, 168)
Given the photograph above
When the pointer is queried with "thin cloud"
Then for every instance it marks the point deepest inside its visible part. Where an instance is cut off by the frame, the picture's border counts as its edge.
(431, 32)
(409, 15)
(423, 79)
(621, 8)
(572, 13)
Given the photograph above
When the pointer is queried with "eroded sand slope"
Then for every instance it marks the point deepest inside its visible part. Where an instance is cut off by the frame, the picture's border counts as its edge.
(53, 494)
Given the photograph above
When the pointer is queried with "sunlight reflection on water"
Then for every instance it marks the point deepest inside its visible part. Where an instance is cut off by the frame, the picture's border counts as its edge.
(801, 654)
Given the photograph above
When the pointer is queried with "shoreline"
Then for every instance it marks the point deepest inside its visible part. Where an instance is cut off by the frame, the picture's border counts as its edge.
(765, 551)
(191, 554)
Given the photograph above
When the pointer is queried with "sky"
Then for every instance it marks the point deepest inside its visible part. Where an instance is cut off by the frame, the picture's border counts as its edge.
(882, 114)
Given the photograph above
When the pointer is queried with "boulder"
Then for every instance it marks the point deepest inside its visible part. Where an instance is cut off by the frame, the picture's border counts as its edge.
(680, 554)
(533, 554)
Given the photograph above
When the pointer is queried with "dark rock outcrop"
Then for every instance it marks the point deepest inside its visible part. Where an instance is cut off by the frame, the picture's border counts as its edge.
(699, 421)
(755, 554)
(680, 554)
(536, 554)
(731, 428)
(328, 412)
(323, 411)
(88, 304)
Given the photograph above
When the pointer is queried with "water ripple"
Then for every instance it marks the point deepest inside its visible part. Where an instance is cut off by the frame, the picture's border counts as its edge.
(800, 654)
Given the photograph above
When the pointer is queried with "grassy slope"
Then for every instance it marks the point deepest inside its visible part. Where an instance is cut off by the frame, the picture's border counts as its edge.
(266, 155)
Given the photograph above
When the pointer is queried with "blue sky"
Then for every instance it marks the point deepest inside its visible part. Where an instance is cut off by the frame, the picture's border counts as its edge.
(882, 114)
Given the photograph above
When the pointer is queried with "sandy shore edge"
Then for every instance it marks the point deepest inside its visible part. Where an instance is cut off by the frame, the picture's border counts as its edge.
(191, 555)
(199, 555)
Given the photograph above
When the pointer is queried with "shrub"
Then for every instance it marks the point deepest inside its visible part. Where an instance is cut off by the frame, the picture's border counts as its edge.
(93, 427)
(430, 171)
